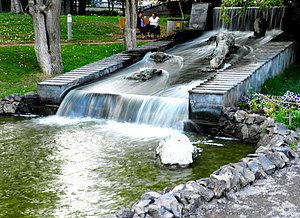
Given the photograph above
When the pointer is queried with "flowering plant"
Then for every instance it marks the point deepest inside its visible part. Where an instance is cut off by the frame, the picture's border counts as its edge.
(278, 107)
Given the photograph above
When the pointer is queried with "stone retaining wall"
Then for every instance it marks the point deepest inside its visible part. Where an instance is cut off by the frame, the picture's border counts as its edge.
(274, 151)
(29, 103)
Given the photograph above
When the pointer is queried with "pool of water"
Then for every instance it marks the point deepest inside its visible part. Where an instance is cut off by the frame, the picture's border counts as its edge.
(64, 167)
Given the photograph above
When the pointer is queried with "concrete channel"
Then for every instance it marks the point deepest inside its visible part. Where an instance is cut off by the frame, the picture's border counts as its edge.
(207, 99)
(52, 91)
(226, 87)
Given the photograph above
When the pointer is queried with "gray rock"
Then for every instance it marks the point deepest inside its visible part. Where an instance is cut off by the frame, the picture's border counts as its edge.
(276, 159)
(144, 75)
(150, 196)
(140, 207)
(156, 211)
(218, 186)
(160, 57)
(225, 41)
(240, 116)
(264, 141)
(125, 213)
(10, 108)
(277, 140)
(254, 130)
(260, 27)
(242, 131)
(250, 118)
(287, 150)
(266, 164)
(256, 168)
(170, 202)
(204, 192)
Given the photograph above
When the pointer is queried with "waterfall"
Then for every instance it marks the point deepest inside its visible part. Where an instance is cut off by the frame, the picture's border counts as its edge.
(158, 111)
(244, 22)
(162, 101)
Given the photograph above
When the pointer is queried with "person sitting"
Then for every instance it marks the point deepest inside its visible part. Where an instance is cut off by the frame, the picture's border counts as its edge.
(141, 24)
(154, 25)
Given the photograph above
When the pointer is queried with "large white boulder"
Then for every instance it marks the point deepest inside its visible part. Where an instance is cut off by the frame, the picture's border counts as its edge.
(176, 150)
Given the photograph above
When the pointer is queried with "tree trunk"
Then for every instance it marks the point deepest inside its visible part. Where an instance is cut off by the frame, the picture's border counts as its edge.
(108, 5)
(16, 7)
(45, 18)
(181, 11)
(130, 25)
(82, 7)
(123, 7)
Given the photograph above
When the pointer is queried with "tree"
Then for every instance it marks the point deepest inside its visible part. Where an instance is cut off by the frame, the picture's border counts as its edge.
(130, 24)
(16, 7)
(45, 17)
(82, 7)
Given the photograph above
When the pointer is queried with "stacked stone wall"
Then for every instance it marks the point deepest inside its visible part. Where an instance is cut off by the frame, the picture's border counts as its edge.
(274, 151)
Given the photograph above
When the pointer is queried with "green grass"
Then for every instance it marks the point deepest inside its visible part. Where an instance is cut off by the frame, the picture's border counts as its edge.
(288, 80)
(19, 70)
(20, 73)
(17, 28)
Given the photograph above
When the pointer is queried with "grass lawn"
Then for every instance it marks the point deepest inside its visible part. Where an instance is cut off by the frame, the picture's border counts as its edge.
(19, 70)
(289, 80)
(17, 28)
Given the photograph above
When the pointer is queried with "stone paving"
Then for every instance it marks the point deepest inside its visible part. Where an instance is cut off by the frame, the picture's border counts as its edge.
(276, 196)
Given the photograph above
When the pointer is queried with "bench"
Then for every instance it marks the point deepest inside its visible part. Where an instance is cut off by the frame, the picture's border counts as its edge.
(122, 24)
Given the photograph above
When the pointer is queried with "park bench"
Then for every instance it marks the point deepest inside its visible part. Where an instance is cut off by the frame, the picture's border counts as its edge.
(122, 24)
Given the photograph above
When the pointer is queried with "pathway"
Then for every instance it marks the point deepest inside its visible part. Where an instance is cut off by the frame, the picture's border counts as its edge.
(272, 197)
(70, 43)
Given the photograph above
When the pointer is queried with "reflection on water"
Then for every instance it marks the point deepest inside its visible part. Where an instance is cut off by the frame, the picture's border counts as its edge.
(60, 167)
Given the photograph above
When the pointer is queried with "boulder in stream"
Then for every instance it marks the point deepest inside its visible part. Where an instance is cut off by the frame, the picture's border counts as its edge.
(160, 57)
(176, 151)
(225, 41)
(260, 27)
(144, 75)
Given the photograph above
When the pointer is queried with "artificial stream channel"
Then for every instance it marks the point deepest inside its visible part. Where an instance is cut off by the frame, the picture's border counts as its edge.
(97, 153)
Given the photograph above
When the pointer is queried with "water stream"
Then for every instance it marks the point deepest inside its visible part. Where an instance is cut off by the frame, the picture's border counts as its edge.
(98, 153)
(163, 100)
(63, 167)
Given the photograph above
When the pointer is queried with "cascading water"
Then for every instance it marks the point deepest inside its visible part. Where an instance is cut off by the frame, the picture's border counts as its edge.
(240, 21)
(161, 101)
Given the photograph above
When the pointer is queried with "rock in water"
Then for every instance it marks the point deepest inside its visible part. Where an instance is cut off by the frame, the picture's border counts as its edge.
(176, 150)
(144, 75)
(225, 42)
(260, 27)
(160, 57)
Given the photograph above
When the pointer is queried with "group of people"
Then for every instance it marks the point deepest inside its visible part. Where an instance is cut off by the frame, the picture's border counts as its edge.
(150, 28)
